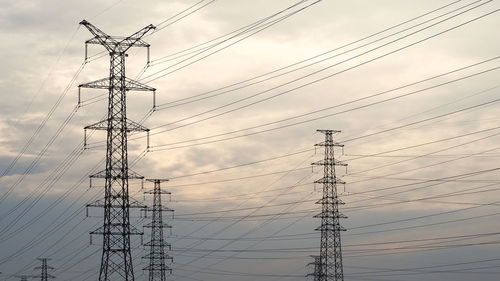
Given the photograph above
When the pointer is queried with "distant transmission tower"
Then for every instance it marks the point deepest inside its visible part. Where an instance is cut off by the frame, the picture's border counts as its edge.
(330, 257)
(23, 277)
(44, 274)
(157, 256)
(116, 261)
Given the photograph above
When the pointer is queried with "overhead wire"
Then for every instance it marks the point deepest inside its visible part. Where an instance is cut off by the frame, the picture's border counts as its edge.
(322, 78)
(184, 101)
(321, 117)
(259, 27)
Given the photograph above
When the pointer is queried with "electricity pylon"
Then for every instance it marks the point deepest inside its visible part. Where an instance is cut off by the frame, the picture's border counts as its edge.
(157, 256)
(116, 260)
(330, 257)
(44, 274)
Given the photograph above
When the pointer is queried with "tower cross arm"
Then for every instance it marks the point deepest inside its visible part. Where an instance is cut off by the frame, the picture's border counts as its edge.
(99, 36)
(135, 40)
(116, 44)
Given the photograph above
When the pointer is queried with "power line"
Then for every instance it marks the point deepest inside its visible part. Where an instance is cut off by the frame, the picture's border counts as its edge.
(323, 78)
(188, 100)
(324, 116)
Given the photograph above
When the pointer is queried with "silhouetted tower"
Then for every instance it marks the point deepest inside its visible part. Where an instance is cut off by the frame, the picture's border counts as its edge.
(157, 256)
(44, 274)
(116, 261)
(330, 257)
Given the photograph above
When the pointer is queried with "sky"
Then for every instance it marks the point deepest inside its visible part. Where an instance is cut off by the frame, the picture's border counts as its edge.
(241, 89)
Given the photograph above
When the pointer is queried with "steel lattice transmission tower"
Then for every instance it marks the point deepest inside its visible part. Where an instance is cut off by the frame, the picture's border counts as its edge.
(157, 256)
(116, 261)
(44, 275)
(330, 257)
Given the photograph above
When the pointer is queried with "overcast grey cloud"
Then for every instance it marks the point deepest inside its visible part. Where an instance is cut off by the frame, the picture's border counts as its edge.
(224, 113)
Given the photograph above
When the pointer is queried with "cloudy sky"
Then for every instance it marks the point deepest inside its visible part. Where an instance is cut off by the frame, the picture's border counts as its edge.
(242, 87)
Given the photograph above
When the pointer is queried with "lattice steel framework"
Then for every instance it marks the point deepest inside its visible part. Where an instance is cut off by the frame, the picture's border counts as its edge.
(116, 261)
(157, 256)
(44, 274)
(330, 257)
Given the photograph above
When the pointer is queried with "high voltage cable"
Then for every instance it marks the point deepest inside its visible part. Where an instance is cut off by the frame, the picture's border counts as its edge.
(188, 50)
(243, 165)
(308, 249)
(347, 160)
(243, 235)
(429, 199)
(349, 102)
(445, 104)
(210, 199)
(323, 78)
(240, 178)
(320, 117)
(439, 238)
(488, 103)
(50, 181)
(437, 181)
(265, 26)
(29, 169)
(346, 208)
(439, 163)
(35, 134)
(233, 223)
(489, 155)
(438, 213)
(245, 196)
(159, 26)
(450, 264)
(430, 153)
(380, 153)
(419, 145)
(183, 100)
(426, 225)
(422, 179)
(44, 121)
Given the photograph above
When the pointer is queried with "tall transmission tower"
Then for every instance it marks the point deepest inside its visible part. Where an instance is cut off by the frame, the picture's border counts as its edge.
(157, 256)
(44, 274)
(330, 258)
(116, 260)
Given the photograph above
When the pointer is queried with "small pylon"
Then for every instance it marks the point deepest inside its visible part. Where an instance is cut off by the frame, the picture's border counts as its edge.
(157, 255)
(44, 274)
(330, 266)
